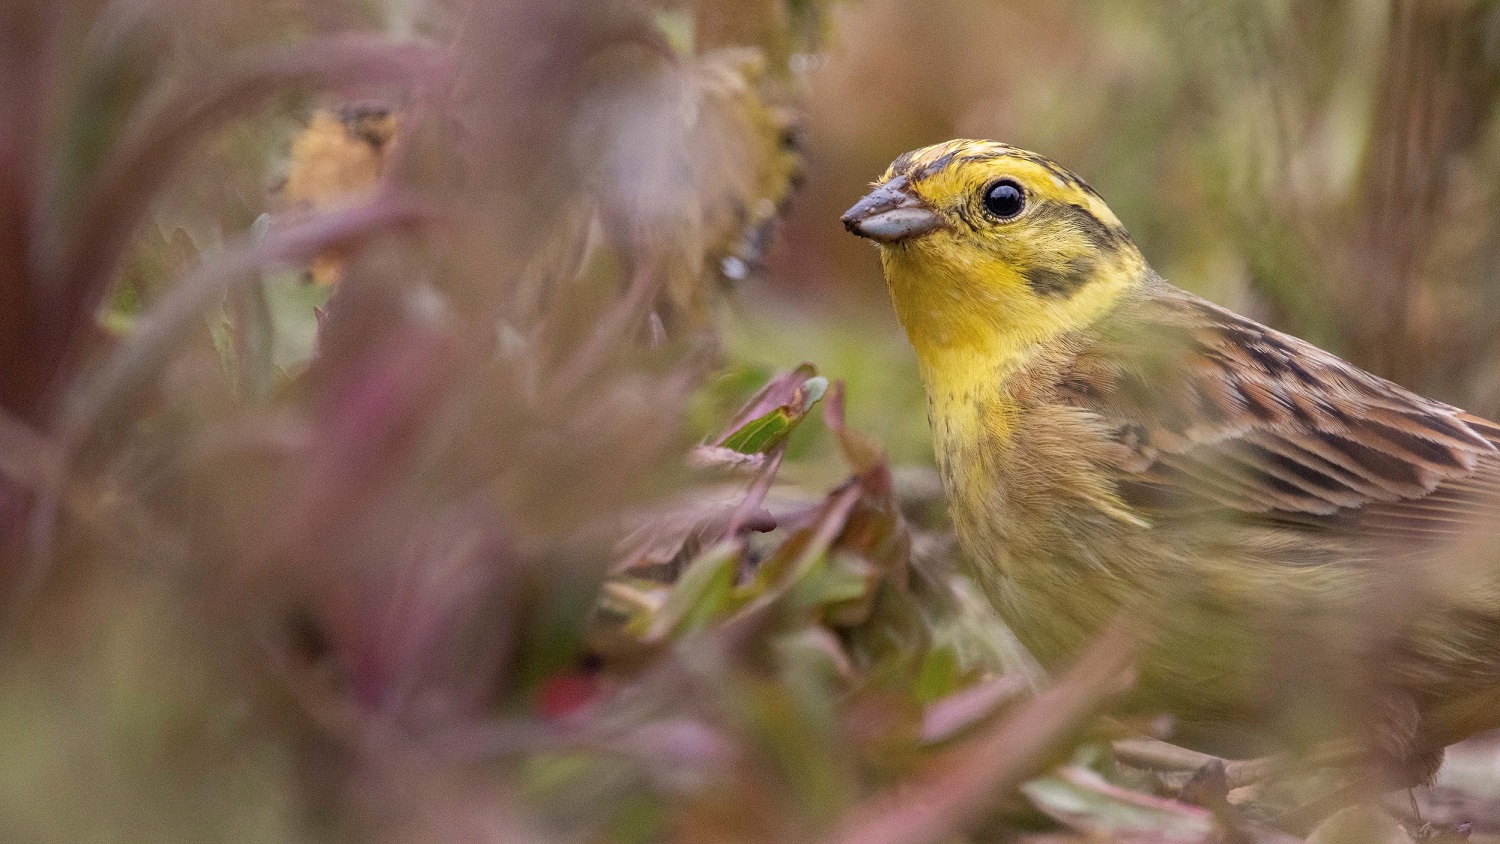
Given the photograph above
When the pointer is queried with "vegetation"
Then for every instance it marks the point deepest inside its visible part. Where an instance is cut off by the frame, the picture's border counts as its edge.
(403, 437)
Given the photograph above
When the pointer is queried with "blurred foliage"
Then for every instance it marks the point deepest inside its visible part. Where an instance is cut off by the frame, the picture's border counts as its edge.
(527, 523)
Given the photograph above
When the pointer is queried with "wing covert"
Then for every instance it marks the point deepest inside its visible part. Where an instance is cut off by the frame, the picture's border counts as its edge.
(1216, 412)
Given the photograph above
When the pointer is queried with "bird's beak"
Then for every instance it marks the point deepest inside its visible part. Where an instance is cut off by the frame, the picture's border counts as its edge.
(890, 214)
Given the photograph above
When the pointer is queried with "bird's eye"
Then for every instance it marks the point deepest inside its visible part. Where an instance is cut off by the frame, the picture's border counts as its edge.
(1004, 199)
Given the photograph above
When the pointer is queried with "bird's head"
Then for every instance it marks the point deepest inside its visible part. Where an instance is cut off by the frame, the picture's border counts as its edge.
(984, 243)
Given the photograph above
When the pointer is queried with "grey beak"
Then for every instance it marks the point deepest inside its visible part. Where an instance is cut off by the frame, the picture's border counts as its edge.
(889, 214)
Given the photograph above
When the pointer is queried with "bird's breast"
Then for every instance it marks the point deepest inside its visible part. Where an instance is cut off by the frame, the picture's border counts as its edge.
(972, 427)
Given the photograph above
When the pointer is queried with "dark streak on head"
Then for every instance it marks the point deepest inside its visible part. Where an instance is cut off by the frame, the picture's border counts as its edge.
(902, 165)
(906, 164)
(934, 166)
(1058, 172)
(1070, 217)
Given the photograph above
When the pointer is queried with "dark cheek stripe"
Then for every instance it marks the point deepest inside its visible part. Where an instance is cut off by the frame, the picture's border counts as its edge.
(1103, 236)
(1062, 282)
(1108, 238)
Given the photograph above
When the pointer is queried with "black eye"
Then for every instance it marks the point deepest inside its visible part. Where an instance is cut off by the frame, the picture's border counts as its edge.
(1004, 199)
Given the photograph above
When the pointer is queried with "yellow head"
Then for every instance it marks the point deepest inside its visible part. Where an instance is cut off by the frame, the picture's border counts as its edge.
(989, 249)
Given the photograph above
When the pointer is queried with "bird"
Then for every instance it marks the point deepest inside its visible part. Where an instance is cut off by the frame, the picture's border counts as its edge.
(1308, 545)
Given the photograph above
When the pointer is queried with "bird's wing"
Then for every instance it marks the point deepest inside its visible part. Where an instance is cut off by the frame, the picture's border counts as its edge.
(1214, 412)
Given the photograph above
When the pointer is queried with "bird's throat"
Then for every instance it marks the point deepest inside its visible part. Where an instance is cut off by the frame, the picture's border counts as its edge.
(974, 331)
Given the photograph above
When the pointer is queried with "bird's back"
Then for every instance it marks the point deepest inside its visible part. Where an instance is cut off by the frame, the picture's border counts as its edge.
(1299, 528)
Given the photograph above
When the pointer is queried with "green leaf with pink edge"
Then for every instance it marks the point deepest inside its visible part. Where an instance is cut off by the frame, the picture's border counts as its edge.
(1083, 801)
(772, 414)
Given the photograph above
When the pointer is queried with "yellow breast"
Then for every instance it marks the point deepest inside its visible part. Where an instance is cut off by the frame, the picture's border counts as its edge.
(972, 419)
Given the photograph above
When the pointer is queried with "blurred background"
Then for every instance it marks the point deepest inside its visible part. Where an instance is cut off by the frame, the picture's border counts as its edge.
(402, 433)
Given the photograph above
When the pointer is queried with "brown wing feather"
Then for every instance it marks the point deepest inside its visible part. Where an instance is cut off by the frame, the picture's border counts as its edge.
(1217, 412)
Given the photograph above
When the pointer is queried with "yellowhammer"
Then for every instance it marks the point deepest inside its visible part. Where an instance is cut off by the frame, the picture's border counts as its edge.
(1309, 541)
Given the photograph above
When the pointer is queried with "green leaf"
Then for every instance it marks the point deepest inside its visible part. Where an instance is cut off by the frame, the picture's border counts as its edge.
(939, 675)
(759, 435)
(835, 579)
(294, 308)
(704, 593)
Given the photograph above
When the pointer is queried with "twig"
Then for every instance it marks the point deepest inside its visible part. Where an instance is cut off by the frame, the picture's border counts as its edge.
(1155, 755)
(756, 494)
